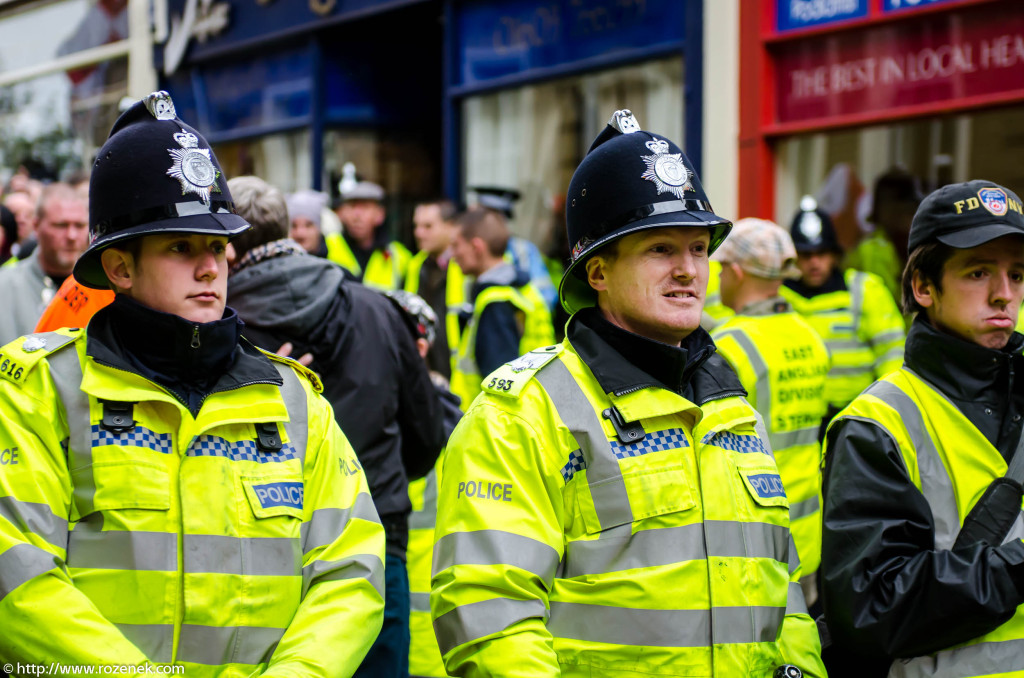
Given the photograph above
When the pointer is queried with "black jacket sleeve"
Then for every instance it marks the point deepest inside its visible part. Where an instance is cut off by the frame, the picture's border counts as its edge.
(886, 589)
(420, 417)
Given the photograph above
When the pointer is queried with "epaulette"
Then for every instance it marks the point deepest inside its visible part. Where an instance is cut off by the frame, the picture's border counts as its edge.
(313, 377)
(509, 379)
(19, 357)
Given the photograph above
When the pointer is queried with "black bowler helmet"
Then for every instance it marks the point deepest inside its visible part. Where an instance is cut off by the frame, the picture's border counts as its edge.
(154, 174)
(629, 181)
(812, 229)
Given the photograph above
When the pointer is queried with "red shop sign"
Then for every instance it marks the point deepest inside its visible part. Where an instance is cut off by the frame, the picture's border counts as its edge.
(942, 59)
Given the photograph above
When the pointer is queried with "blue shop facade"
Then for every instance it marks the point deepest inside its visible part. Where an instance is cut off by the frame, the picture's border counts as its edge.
(431, 97)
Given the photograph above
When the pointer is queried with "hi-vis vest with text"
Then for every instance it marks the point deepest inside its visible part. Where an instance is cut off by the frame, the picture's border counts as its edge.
(537, 331)
(570, 545)
(231, 543)
(456, 288)
(862, 328)
(783, 364)
(952, 463)
(384, 271)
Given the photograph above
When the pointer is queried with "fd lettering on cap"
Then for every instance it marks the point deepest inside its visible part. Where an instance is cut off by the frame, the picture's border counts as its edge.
(279, 494)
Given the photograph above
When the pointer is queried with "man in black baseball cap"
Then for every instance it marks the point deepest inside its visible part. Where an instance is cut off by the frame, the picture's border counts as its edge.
(931, 452)
(176, 494)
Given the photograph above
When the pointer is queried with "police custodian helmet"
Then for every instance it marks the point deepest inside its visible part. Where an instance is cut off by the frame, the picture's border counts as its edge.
(154, 174)
(629, 181)
(812, 229)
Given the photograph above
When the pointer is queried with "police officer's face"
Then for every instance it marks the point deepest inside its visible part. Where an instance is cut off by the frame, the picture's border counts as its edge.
(361, 217)
(306, 233)
(816, 267)
(179, 273)
(982, 290)
(655, 285)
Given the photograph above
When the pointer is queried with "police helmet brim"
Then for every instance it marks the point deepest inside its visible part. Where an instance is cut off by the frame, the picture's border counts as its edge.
(575, 293)
(89, 271)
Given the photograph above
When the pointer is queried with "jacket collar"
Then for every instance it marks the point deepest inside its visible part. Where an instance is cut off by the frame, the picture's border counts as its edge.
(159, 346)
(835, 283)
(962, 370)
(771, 306)
(623, 362)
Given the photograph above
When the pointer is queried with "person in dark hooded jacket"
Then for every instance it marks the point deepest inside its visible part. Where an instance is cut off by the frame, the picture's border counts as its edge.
(372, 374)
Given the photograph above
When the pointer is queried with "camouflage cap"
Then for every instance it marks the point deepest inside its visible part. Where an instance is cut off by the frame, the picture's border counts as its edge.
(760, 247)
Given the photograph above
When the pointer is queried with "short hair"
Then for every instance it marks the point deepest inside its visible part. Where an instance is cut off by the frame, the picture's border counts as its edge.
(928, 259)
(487, 225)
(445, 206)
(264, 207)
(52, 192)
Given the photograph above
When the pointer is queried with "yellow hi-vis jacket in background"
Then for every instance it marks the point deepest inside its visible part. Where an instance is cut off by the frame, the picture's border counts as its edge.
(715, 312)
(148, 535)
(384, 271)
(876, 254)
(456, 291)
(537, 331)
(424, 656)
(862, 328)
(563, 551)
(783, 365)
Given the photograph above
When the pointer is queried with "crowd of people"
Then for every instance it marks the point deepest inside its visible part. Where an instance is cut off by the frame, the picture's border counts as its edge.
(240, 441)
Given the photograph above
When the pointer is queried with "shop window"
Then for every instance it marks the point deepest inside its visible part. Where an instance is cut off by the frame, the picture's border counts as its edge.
(840, 167)
(531, 138)
(53, 124)
(282, 160)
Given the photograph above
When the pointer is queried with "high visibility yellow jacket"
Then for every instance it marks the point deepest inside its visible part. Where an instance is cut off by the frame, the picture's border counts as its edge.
(715, 312)
(951, 464)
(562, 550)
(876, 254)
(177, 539)
(537, 331)
(384, 271)
(862, 328)
(783, 365)
(424, 655)
(456, 291)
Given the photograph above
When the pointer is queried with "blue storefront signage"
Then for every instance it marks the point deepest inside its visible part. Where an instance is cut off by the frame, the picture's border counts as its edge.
(497, 41)
(793, 15)
(904, 5)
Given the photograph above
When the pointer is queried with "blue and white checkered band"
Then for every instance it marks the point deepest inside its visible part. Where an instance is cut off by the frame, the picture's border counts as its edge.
(137, 437)
(243, 450)
(576, 463)
(636, 214)
(659, 441)
(735, 442)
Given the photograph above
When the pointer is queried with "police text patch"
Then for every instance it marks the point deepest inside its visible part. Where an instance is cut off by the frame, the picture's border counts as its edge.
(279, 494)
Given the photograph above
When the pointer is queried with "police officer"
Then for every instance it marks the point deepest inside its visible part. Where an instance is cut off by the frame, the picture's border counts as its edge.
(783, 365)
(172, 494)
(852, 310)
(610, 505)
(363, 248)
(922, 555)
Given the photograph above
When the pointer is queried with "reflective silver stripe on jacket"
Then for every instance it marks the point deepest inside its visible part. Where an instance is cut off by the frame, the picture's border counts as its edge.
(210, 645)
(936, 485)
(425, 518)
(857, 298)
(473, 621)
(982, 659)
(665, 628)
(294, 397)
(604, 477)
